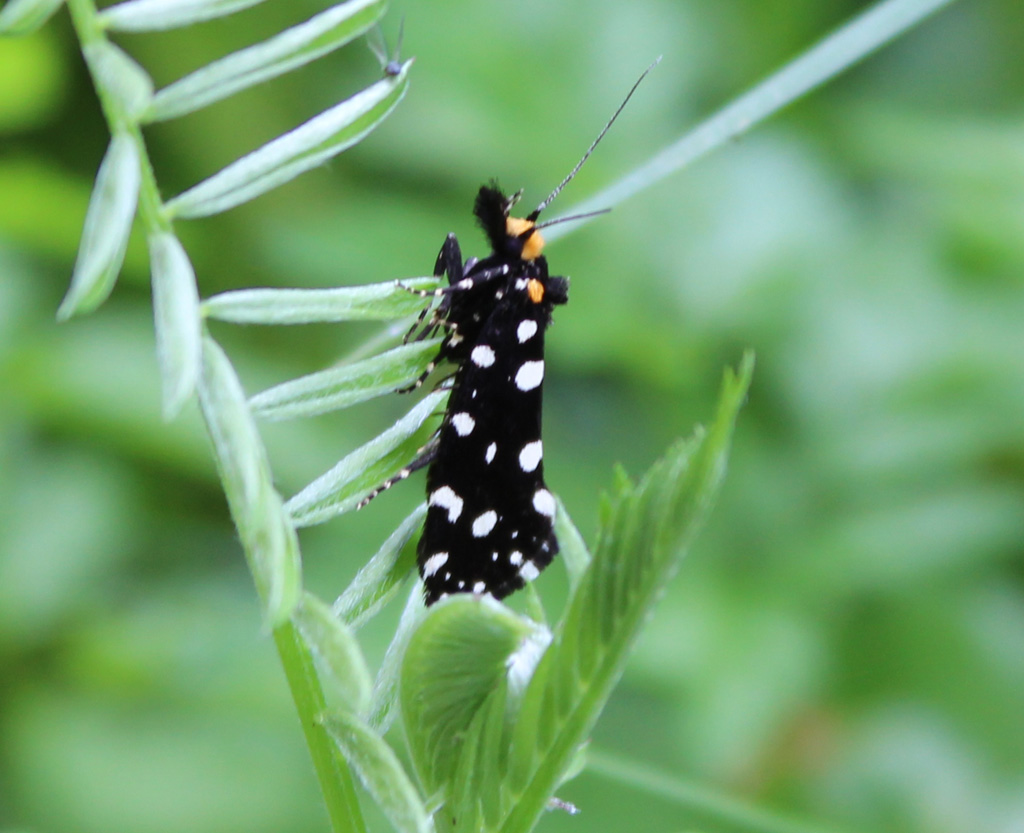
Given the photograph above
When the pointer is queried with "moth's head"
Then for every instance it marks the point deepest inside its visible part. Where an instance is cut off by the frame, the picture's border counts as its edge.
(508, 236)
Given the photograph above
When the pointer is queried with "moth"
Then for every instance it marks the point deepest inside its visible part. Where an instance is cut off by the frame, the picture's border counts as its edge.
(490, 516)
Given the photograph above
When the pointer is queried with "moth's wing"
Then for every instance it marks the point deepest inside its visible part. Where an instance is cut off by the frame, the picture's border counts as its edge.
(490, 517)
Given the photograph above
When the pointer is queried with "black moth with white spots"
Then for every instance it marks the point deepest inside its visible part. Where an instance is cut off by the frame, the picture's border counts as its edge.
(490, 517)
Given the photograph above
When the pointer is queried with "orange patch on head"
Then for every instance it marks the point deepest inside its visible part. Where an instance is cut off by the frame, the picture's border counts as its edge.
(535, 289)
(533, 245)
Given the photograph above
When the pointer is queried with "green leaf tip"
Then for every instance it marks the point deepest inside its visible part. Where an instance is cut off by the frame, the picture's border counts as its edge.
(108, 222)
(22, 17)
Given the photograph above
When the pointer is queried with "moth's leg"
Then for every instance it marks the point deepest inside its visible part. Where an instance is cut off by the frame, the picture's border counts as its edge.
(424, 457)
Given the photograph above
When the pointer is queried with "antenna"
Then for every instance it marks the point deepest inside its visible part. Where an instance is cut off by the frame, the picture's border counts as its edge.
(583, 216)
(590, 150)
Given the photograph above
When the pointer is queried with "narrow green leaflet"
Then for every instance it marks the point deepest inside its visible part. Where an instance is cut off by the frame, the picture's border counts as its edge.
(176, 315)
(341, 488)
(571, 546)
(119, 76)
(879, 24)
(158, 15)
(377, 582)
(322, 33)
(456, 660)
(22, 17)
(108, 222)
(337, 652)
(372, 302)
(268, 537)
(340, 387)
(380, 771)
(305, 147)
(385, 687)
(648, 531)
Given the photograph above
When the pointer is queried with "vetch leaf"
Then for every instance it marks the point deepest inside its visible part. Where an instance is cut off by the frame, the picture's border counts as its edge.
(648, 532)
(377, 582)
(385, 687)
(372, 302)
(176, 313)
(380, 771)
(322, 33)
(334, 646)
(118, 75)
(22, 17)
(340, 387)
(269, 539)
(574, 551)
(456, 659)
(159, 15)
(284, 158)
(108, 222)
(341, 488)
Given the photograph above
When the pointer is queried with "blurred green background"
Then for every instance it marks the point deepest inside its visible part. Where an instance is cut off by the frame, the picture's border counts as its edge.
(845, 644)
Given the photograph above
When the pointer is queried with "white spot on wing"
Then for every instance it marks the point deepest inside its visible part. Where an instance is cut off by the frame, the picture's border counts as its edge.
(526, 330)
(484, 523)
(544, 503)
(515, 558)
(530, 456)
(530, 375)
(492, 449)
(482, 356)
(446, 498)
(529, 571)
(463, 423)
(479, 587)
(434, 563)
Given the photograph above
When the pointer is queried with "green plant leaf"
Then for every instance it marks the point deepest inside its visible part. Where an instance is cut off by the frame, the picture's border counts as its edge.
(380, 772)
(159, 15)
(108, 222)
(284, 158)
(267, 534)
(852, 42)
(120, 78)
(22, 17)
(456, 660)
(322, 33)
(337, 652)
(573, 550)
(340, 387)
(372, 302)
(176, 315)
(341, 488)
(385, 687)
(650, 527)
(377, 582)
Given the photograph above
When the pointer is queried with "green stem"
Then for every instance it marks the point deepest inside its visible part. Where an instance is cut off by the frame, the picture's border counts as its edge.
(333, 773)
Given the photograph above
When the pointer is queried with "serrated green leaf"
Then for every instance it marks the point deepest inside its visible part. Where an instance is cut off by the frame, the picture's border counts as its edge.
(337, 652)
(453, 663)
(377, 582)
(380, 772)
(22, 17)
(372, 302)
(341, 387)
(322, 33)
(120, 77)
(159, 15)
(108, 222)
(341, 488)
(305, 147)
(268, 537)
(176, 315)
(650, 527)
